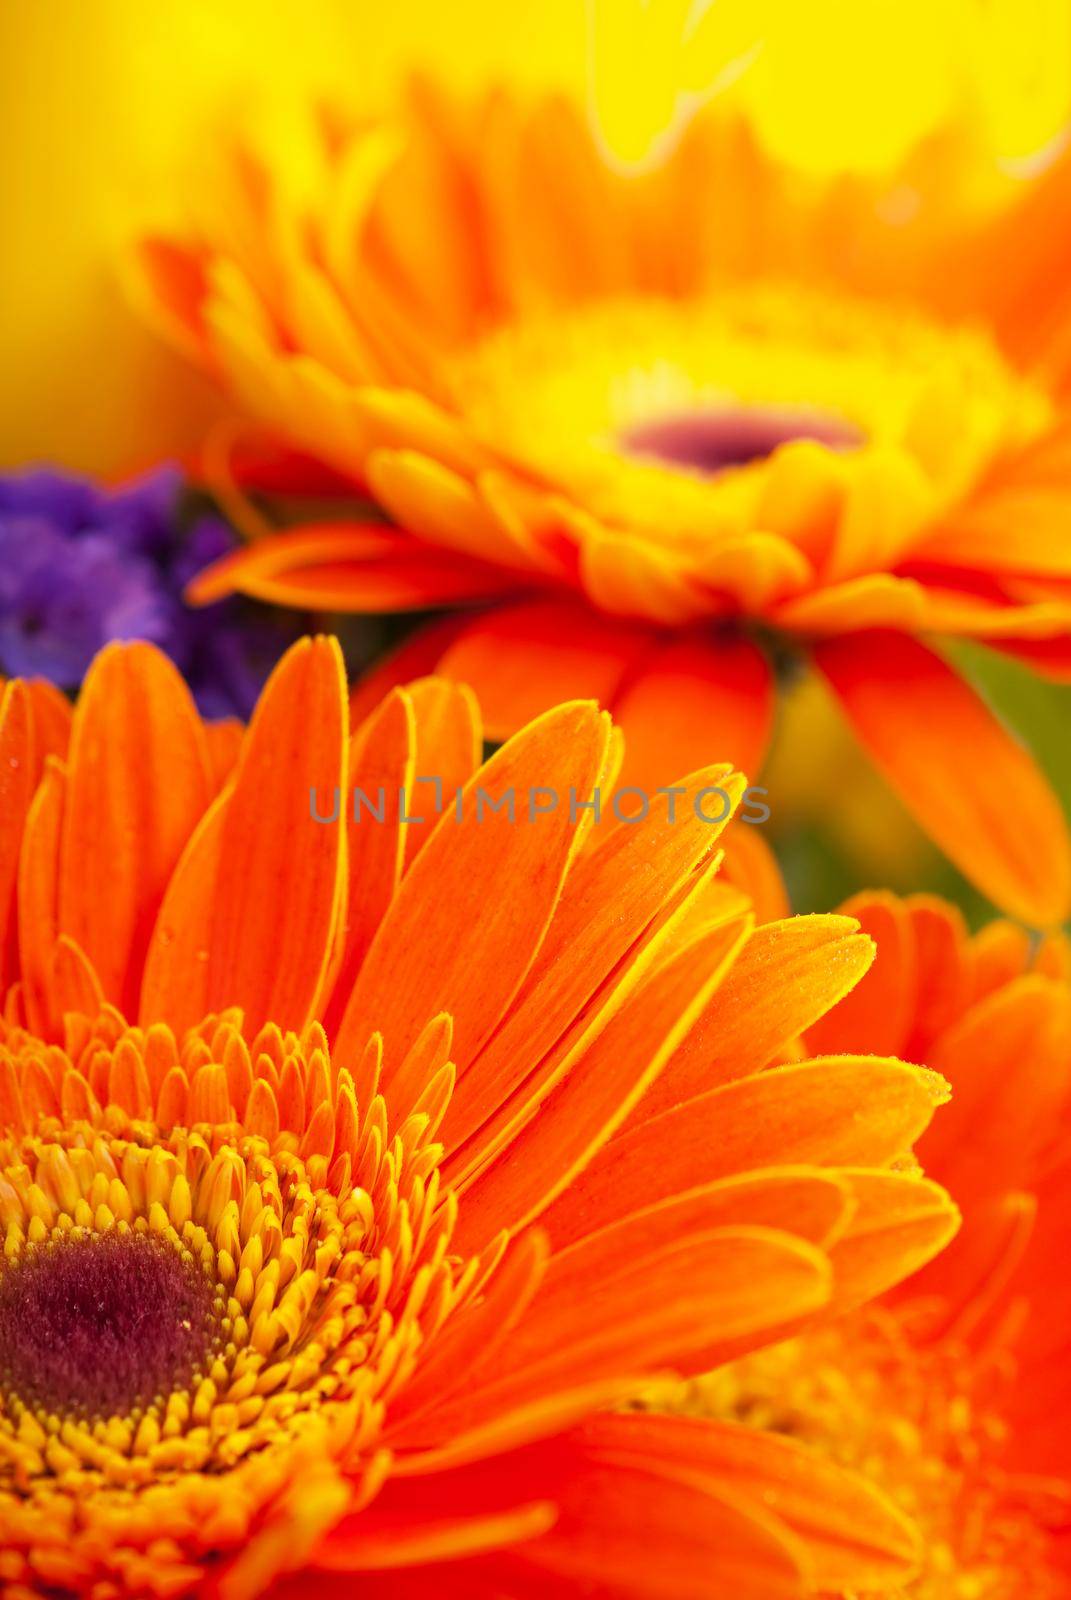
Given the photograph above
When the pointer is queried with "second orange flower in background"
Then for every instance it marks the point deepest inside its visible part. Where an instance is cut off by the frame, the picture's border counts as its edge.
(655, 430)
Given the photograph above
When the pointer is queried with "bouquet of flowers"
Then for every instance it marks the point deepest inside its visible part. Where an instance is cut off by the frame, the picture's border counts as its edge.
(535, 633)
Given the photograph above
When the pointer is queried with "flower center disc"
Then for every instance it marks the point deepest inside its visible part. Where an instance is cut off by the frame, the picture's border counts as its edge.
(709, 442)
(99, 1325)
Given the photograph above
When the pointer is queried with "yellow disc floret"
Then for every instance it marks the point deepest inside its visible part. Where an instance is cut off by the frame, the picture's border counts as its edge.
(213, 1267)
(661, 415)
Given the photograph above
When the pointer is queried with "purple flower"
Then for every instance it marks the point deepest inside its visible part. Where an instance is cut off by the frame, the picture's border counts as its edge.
(80, 565)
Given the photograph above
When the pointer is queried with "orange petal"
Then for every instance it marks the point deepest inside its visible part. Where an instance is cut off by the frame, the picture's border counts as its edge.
(1008, 270)
(1000, 1120)
(971, 1284)
(38, 899)
(493, 1422)
(751, 866)
(887, 500)
(968, 783)
(624, 1247)
(380, 768)
(17, 778)
(878, 1012)
(787, 974)
(631, 577)
(51, 717)
(879, 600)
(1051, 957)
(595, 1097)
(616, 893)
(523, 659)
(942, 969)
(529, 522)
(1013, 529)
(919, 981)
(1050, 658)
(75, 985)
(835, 1111)
(252, 909)
(238, 455)
(953, 609)
(694, 701)
(425, 1078)
(174, 986)
(449, 746)
(12, 1108)
(456, 937)
(564, 201)
(755, 569)
(397, 419)
(170, 285)
(806, 1201)
(854, 1538)
(442, 508)
(900, 1222)
(474, 1334)
(670, 1308)
(642, 1528)
(138, 784)
(643, 1533)
(1002, 952)
(281, 878)
(346, 567)
(381, 1543)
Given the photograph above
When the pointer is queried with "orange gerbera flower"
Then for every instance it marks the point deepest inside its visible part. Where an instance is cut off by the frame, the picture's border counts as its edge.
(345, 1169)
(953, 1394)
(625, 413)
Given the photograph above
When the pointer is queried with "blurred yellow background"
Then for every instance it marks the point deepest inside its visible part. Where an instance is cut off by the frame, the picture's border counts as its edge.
(103, 96)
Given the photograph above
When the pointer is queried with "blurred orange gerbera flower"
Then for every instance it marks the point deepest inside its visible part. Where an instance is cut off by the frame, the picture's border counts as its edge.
(345, 1168)
(624, 414)
(952, 1394)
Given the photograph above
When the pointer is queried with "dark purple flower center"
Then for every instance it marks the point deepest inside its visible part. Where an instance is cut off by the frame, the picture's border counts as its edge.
(102, 1324)
(708, 442)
